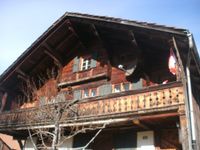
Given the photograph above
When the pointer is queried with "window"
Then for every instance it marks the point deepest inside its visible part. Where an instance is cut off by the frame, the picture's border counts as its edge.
(85, 93)
(93, 92)
(126, 86)
(89, 93)
(117, 88)
(121, 87)
(86, 64)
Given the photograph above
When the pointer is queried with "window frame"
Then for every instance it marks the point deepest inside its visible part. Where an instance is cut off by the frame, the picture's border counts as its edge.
(89, 93)
(114, 88)
(121, 87)
(84, 93)
(93, 89)
(86, 63)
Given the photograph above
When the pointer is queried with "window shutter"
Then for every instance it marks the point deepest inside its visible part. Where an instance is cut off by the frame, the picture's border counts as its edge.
(93, 60)
(105, 89)
(137, 85)
(76, 64)
(77, 94)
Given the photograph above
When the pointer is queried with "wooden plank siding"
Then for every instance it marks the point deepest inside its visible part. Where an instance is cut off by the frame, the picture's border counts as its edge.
(197, 120)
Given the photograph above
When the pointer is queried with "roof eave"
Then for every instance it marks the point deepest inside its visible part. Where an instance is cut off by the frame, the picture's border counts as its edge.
(93, 18)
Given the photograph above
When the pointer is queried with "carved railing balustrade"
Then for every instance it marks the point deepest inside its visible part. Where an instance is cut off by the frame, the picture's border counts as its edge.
(152, 99)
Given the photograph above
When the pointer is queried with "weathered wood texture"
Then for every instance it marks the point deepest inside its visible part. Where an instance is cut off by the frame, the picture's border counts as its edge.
(130, 103)
(184, 132)
(68, 74)
(167, 139)
(197, 122)
(83, 79)
(118, 106)
(48, 90)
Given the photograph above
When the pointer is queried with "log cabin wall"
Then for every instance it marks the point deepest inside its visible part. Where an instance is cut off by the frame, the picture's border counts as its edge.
(96, 73)
(102, 73)
(68, 75)
(49, 89)
(43, 94)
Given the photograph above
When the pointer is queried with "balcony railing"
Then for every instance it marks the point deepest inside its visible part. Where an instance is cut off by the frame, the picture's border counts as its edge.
(149, 100)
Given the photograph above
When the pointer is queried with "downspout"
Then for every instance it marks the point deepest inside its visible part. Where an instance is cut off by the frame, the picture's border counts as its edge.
(189, 89)
(184, 80)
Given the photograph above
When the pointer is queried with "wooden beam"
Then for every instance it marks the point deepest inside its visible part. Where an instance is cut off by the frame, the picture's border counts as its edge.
(35, 46)
(37, 64)
(180, 63)
(83, 80)
(158, 116)
(64, 40)
(95, 31)
(71, 28)
(140, 124)
(134, 42)
(22, 77)
(19, 71)
(49, 51)
(105, 47)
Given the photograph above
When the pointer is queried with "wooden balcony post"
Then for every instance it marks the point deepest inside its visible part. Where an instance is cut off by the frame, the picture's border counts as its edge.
(183, 134)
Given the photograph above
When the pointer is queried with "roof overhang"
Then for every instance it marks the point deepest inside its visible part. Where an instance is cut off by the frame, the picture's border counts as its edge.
(149, 29)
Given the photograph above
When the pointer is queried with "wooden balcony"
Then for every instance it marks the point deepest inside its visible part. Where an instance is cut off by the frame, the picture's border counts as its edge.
(135, 103)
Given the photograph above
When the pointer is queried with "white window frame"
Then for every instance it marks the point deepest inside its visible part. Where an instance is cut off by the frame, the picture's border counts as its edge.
(86, 64)
(86, 93)
(124, 84)
(120, 87)
(117, 88)
(89, 93)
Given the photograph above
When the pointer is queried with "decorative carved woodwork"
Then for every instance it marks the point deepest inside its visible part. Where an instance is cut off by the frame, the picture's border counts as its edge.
(135, 104)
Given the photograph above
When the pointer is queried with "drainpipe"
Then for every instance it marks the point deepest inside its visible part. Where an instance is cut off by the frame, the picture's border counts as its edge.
(189, 89)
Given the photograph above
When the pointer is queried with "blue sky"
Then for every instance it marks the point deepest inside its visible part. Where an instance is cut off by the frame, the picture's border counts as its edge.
(23, 21)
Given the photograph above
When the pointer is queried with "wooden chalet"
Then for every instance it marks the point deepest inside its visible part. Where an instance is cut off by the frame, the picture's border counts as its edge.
(140, 80)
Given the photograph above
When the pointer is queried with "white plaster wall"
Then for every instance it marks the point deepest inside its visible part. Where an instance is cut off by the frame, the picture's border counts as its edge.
(145, 140)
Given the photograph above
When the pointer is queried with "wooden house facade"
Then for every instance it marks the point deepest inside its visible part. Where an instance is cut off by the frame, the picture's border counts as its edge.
(140, 81)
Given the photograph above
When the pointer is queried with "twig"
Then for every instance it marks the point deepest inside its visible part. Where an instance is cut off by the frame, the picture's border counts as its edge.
(32, 139)
(84, 147)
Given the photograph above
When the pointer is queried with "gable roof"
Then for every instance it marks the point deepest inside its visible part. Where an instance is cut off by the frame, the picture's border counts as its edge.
(124, 24)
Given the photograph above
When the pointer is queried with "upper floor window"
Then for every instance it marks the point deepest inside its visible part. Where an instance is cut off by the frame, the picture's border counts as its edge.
(85, 93)
(126, 86)
(121, 87)
(86, 63)
(117, 88)
(93, 92)
(89, 93)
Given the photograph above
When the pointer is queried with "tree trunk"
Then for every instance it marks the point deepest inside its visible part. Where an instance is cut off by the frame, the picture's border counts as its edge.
(56, 137)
